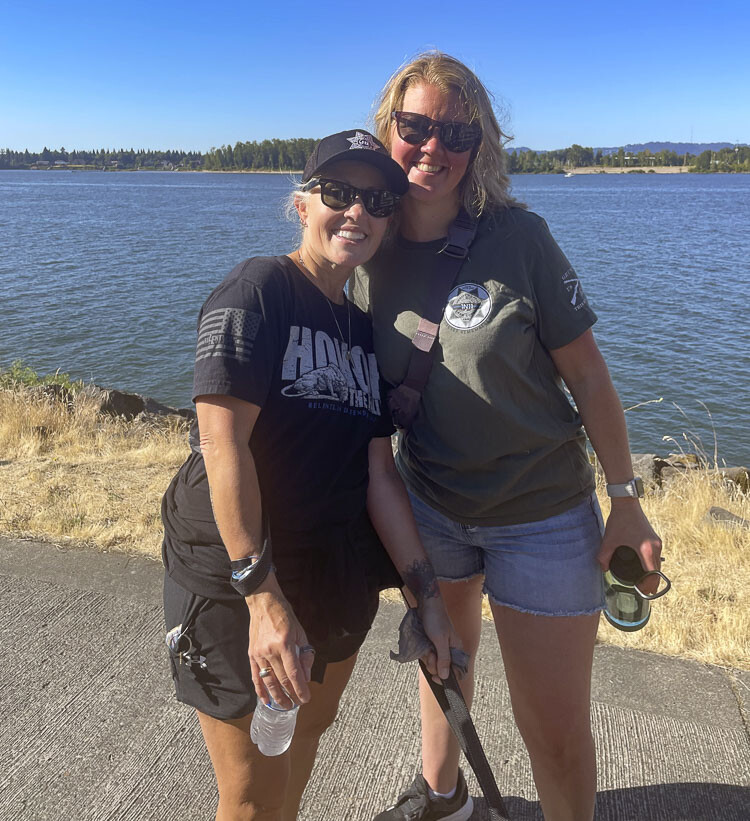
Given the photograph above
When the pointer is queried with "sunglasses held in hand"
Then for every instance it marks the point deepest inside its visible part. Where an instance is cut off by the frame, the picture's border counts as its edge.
(416, 129)
(340, 195)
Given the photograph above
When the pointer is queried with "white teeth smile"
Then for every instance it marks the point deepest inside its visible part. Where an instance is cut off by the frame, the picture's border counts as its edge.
(431, 169)
(350, 235)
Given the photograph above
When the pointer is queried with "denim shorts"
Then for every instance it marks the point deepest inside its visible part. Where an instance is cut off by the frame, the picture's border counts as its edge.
(548, 567)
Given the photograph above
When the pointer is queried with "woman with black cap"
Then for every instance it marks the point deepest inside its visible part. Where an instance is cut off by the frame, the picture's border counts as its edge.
(273, 574)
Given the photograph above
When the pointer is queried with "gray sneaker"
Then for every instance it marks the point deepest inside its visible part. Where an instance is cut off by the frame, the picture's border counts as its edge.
(417, 805)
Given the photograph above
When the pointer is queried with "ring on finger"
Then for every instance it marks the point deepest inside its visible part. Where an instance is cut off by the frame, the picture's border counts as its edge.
(265, 672)
(306, 648)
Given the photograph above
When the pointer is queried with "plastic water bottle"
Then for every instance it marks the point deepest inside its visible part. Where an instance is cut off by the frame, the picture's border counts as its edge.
(626, 607)
(272, 727)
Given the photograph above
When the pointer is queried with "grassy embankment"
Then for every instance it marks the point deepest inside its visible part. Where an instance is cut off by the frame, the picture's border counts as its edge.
(71, 477)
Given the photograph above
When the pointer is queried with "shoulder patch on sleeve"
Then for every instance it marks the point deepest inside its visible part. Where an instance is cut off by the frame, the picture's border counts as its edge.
(228, 333)
(574, 289)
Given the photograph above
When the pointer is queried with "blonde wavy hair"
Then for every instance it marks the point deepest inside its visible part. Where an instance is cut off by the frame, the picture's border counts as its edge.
(486, 184)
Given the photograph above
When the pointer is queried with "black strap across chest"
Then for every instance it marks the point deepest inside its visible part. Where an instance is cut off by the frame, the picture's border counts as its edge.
(447, 265)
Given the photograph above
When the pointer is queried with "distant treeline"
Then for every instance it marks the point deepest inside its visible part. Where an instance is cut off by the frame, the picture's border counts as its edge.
(103, 159)
(267, 155)
(291, 155)
(728, 159)
(577, 156)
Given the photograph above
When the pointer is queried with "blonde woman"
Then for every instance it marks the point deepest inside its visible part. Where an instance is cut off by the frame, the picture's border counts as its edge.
(495, 461)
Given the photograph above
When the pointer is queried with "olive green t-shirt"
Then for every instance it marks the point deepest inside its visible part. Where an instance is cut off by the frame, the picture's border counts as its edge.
(497, 440)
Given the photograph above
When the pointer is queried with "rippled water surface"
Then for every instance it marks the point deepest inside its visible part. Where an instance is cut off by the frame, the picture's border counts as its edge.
(102, 275)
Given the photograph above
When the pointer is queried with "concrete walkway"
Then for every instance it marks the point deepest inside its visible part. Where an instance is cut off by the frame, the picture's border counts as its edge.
(90, 730)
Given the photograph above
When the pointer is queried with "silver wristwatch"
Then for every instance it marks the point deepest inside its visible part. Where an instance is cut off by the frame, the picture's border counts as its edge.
(633, 489)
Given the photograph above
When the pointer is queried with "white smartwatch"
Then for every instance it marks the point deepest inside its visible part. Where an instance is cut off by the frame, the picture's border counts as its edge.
(633, 489)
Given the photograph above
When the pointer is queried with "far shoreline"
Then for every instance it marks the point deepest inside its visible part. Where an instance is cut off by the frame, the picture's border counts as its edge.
(568, 172)
(584, 169)
(638, 169)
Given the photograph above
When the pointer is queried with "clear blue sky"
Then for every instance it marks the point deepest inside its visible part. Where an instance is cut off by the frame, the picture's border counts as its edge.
(193, 75)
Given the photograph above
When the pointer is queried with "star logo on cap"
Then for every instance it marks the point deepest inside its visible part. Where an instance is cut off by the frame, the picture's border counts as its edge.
(360, 140)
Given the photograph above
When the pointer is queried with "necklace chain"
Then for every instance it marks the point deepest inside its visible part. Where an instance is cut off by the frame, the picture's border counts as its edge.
(328, 301)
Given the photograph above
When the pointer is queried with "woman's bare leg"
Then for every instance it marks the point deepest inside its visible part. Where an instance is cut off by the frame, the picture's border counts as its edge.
(548, 663)
(251, 785)
(255, 787)
(313, 720)
(440, 750)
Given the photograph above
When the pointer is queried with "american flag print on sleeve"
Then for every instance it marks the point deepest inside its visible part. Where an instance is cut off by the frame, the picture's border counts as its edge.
(228, 333)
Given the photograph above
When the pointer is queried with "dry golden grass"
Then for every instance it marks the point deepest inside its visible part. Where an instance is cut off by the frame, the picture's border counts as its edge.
(706, 615)
(74, 477)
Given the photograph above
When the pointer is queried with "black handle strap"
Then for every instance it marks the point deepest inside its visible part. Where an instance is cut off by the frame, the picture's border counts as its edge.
(451, 701)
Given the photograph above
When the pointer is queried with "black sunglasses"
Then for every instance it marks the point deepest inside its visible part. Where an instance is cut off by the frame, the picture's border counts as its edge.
(416, 129)
(340, 195)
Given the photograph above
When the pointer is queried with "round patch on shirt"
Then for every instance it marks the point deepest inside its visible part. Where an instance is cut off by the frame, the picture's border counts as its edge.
(468, 307)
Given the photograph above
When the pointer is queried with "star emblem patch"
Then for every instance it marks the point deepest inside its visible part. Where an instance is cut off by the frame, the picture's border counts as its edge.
(468, 307)
(360, 140)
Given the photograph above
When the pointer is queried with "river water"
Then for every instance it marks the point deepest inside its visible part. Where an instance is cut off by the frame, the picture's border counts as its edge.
(102, 276)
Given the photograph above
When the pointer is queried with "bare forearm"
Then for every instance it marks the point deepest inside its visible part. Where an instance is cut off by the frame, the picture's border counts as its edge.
(390, 512)
(235, 497)
(604, 420)
(226, 424)
(582, 367)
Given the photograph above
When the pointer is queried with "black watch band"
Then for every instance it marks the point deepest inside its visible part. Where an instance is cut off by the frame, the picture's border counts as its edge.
(249, 573)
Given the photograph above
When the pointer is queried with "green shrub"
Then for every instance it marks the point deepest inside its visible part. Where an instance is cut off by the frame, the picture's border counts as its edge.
(18, 375)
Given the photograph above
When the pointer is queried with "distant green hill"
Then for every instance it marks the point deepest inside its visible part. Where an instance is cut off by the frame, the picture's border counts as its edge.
(654, 148)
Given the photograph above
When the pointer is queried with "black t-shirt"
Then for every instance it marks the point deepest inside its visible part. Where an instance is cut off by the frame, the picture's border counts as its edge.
(269, 336)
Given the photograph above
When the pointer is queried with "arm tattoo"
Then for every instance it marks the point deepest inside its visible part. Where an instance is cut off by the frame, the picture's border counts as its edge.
(419, 577)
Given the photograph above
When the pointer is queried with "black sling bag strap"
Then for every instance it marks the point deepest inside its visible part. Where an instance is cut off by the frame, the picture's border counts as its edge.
(451, 701)
(403, 401)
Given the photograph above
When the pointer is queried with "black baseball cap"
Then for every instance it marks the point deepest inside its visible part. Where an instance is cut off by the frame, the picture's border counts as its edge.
(368, 150)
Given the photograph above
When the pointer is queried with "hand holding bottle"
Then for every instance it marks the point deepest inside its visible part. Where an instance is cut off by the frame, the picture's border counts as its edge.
(627, 525)
(272, 727)
(275, 636)
(627, 605)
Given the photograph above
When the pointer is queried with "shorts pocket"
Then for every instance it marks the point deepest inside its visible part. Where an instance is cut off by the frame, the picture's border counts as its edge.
(597, 512)
(181, 608)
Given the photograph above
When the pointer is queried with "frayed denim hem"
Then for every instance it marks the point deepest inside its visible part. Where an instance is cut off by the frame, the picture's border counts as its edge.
(516, 607)
(462, 579)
